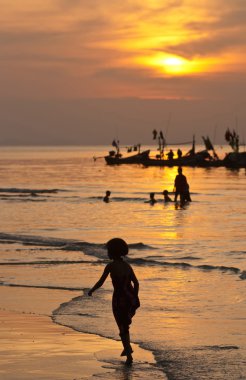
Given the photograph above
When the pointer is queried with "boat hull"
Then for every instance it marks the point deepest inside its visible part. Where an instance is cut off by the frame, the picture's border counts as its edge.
(135, 159)
(202, 159)
(235, 160)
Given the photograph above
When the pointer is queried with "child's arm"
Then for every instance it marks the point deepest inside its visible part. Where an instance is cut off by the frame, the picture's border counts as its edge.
(135, 282)
(100, 282)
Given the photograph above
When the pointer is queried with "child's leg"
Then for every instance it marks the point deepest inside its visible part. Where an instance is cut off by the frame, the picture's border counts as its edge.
(123, 321)
(125, 338)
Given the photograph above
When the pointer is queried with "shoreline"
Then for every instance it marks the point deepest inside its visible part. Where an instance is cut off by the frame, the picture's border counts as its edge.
(34, 346)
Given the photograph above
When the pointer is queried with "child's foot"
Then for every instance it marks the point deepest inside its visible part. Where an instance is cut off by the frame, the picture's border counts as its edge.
(124, 353)
(129, 360)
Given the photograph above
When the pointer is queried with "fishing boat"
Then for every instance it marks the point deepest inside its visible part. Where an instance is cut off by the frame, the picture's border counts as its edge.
(202, 158)
(114, 158)
(191, 158)
(234, 159)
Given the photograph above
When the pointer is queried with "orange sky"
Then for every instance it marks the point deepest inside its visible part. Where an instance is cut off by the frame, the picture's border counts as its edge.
(79, 49)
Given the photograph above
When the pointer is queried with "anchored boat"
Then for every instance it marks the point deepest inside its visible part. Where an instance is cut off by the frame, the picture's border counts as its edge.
(117, 159)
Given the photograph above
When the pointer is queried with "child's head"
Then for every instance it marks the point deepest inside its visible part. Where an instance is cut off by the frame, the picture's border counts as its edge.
(108, 193)
(165, 192)
(116, 248)
(152, 195)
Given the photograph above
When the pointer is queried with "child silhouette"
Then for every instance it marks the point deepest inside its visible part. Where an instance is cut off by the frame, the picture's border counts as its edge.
(125, 297)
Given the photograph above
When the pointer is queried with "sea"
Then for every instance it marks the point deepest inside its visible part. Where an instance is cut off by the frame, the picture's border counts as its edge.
(190, 260)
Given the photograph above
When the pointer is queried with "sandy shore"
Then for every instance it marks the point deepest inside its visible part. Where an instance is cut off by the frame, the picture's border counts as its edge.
(33, 347)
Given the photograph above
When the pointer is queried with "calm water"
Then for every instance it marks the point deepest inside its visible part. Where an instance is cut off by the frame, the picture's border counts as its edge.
(190, 261)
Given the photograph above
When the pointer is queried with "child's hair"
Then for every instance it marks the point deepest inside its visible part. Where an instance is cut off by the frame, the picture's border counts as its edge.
(165, 192)
(116, 248)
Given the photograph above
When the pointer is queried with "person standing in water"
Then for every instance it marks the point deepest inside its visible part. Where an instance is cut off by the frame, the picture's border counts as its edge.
(181, 187)
(179, 153)
(125, 299)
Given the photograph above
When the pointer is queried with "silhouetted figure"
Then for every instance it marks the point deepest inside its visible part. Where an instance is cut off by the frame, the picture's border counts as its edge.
(170, 155)
(233, 139)
(125, 297)
(179, 153)
(106, 198)
(152, 199)
(154, 134)
(191, 152)
(181, 187)
(166, 197)
(116, 144)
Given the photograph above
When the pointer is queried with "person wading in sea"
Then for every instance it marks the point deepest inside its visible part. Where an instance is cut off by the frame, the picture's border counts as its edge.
(181, 187)
(152, 199)
(125, 297)
(166, 196)
(106, 198)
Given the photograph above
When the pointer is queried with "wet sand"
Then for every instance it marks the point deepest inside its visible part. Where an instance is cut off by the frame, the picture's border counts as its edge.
(33, 347)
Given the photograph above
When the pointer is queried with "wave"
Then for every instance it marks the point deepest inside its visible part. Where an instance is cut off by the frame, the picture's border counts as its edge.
(98, 250)
(27, 195)
(26, 199)
(140, 246)
(67, 244)
(137, 261)
(219, 267)
(2, 283)
(237, 252)
(30, 191)
(188, 258)
(76, 315)
(20, 196)
(218, 348)
(184, 265)
(47, 262)
(176, 360)
(33, 240)
(120, 199)
(171, 257)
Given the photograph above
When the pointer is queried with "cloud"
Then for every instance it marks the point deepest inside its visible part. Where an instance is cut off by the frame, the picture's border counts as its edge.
(217, 86)
(69, 4)
(90, 47)
(220, 42)
(27, 37)
(223, 30)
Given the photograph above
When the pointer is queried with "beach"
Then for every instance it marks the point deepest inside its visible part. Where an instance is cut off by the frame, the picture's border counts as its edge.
(190, 263)
(32, 346)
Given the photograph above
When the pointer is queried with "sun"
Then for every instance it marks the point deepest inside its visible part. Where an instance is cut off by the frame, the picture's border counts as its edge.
(174, 65)
(171, 64)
